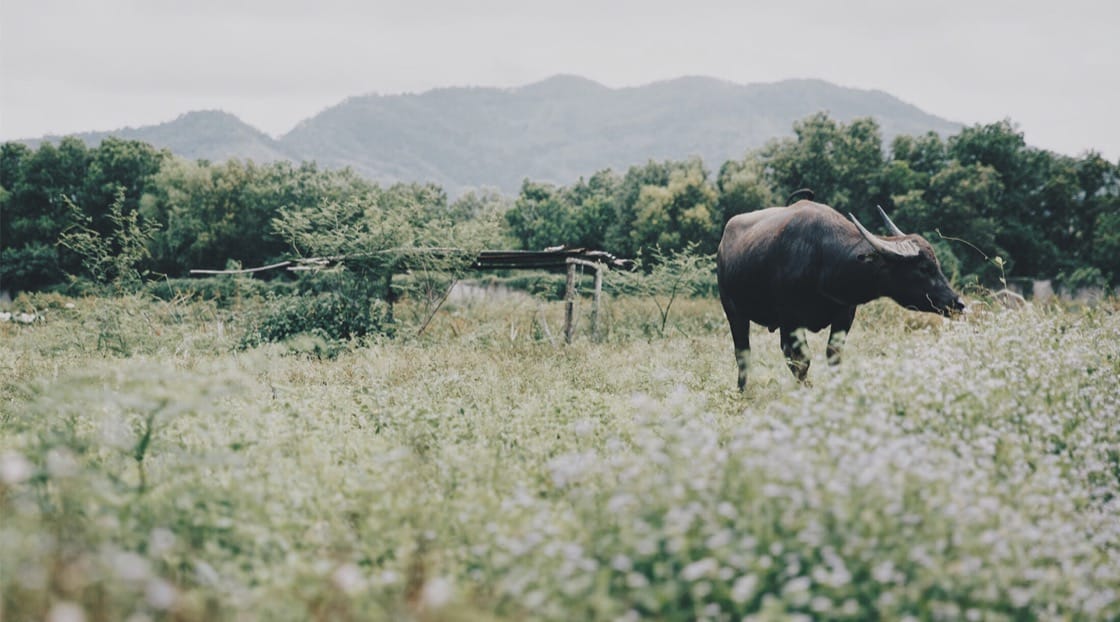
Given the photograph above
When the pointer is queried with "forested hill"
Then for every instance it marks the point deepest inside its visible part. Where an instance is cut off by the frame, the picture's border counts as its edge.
(556, 130)
(202, 135)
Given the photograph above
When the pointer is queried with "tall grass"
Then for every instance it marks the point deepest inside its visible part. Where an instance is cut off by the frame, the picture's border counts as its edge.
(946, 470)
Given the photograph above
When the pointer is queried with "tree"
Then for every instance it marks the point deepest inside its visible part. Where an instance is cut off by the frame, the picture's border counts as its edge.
(541, 217)
(666, 204)
(952, 206)
(116, 164)
(841, 163)
(743, 187)
(629, 189)
(213, 213)
(34, 212)
(593, 201)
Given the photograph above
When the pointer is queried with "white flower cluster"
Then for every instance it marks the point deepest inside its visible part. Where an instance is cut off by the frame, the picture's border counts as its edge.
(966, 470)
(975, 484)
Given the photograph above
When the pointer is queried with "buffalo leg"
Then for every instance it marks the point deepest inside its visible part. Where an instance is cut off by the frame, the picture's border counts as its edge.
(838, 332)
(741, 336)
(796, 351)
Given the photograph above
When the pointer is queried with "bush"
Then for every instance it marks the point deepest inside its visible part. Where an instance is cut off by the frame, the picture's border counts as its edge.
(329, 316)
(1081, 278)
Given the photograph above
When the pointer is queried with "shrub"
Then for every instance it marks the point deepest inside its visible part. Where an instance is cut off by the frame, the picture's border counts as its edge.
(1081, 278)
(330, 316)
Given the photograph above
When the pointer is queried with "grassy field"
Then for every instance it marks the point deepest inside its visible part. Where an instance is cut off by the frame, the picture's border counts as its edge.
(149, 469)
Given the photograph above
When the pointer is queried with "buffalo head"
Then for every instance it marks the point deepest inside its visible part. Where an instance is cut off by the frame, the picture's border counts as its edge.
(910, 273)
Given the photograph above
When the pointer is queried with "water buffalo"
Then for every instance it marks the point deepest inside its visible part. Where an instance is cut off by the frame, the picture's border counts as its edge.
(804, 267)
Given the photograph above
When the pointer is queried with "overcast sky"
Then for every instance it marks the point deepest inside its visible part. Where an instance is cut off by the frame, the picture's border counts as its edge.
(1052, 67)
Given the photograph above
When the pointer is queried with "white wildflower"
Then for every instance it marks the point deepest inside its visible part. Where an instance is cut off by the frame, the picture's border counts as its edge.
(387, 577)
(883, 572)
(160, 594)
(66, 612)
(116, 433)
(636, 580)
(569, 468)
(700, 568)
(61, 462)
(205, 574)
(160, 541)
(820, 604)
(130, 566)
(744, 588)
(14, 468)
(348, 579)
(719, 539)
(583, 427)
(437, 593)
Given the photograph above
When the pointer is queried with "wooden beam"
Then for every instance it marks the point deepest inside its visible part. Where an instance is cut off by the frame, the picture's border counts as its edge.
(245, 270)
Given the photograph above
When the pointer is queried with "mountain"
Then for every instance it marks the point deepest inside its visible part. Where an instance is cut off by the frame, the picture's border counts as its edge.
(202, 135)
(555, 130)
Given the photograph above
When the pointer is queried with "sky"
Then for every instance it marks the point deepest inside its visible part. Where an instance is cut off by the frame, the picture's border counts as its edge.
(1052, 68)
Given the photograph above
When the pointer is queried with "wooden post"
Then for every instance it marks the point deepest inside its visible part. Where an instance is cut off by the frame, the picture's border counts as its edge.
(595, 335)
(570, 304)
(388, 294)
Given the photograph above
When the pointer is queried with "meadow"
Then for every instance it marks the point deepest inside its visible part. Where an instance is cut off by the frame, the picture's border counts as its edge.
(151, 469)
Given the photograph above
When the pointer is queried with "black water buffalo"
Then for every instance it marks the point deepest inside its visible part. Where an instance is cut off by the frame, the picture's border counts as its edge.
(806, 267)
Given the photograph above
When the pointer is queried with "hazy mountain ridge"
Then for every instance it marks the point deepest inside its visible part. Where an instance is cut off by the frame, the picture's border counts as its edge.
(211, 135)
(555, 130)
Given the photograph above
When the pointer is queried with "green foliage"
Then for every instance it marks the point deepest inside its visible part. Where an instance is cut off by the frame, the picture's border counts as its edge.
(405, 227)
(841, 163)
(379, 230)
(223, 212)
(742, 187)
(33, 213)
(1084, 277)
(328, 316)
(983, 190)
(1106, 242)
(115, 258)
(41, 189)
(664, 278)
(226, 291)
(545, 215)
(678, 214)
(28, 266)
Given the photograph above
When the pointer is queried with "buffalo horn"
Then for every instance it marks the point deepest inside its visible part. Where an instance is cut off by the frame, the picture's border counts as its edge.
(893, 228)
(890, 248)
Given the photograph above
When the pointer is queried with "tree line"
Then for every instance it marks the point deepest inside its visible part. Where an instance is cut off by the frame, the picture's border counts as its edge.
(992, 206)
